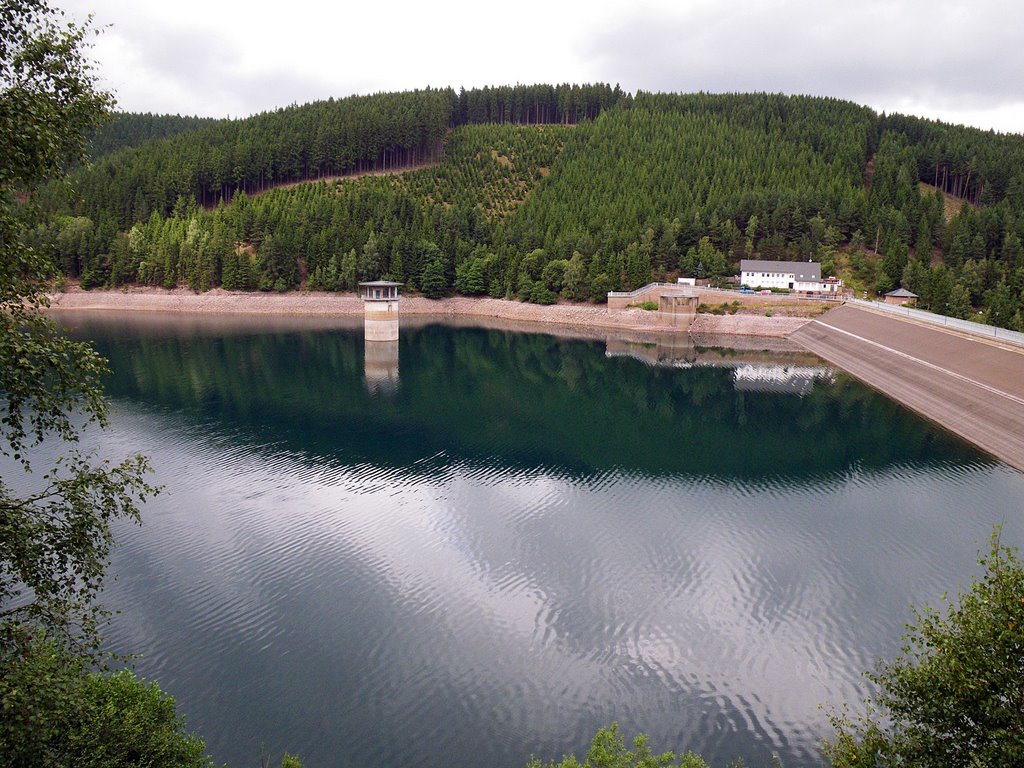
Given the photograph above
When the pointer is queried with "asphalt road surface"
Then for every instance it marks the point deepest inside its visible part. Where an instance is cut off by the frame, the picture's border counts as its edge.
(972, 387)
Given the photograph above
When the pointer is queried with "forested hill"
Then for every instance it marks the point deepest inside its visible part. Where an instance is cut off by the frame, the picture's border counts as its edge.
(129, 129)
(299, 143)
(540, 192)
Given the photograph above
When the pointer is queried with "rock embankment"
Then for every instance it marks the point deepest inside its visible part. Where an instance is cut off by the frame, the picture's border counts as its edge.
(309, 303)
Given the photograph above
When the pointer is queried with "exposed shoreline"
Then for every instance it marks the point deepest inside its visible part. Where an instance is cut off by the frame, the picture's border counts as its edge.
(322, 304)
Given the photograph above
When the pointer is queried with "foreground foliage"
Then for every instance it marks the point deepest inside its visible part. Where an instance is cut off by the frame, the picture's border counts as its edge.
(955, 694)
(55, 535)
(608, 750)
(56, 712)
(54, 538)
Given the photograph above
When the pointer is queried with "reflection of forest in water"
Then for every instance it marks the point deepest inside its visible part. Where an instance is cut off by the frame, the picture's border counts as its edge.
(525, 535)
(528, 399)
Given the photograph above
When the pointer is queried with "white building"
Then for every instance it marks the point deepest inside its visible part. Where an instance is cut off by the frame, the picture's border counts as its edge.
(798, 276)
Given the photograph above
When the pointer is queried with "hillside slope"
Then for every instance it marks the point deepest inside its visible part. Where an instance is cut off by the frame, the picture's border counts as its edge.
(642, 187)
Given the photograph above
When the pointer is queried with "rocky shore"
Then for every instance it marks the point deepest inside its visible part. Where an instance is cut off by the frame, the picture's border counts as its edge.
(319, 304)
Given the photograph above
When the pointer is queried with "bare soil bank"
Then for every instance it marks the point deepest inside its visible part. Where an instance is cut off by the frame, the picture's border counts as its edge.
(311, 303)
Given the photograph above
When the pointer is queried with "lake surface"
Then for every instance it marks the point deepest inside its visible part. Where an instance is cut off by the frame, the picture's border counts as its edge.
(500, 542)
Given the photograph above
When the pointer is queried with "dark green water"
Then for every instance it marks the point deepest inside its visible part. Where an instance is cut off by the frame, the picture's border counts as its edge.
(509, 540)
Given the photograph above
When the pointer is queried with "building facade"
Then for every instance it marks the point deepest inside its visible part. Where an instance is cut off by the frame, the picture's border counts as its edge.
(797, 276)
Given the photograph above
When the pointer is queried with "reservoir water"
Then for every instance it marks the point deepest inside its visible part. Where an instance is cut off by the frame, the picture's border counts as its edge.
(482, 545)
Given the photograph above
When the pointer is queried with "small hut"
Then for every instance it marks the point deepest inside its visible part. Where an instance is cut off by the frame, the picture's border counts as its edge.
(901, 296)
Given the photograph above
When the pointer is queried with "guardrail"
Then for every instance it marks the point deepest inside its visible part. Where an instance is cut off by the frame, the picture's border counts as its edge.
(725, 291)
(645, 289)
(837, 298)
(966, 326)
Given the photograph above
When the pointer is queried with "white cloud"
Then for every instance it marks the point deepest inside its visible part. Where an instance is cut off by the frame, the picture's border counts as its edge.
(939, 58)
(935, 58)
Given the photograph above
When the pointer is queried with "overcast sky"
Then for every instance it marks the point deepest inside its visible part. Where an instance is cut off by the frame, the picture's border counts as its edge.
(957, 60)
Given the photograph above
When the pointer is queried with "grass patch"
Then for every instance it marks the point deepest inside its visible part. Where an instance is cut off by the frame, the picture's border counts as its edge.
(725, 308)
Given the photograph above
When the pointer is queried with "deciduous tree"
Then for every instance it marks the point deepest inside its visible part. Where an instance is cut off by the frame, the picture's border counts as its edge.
(955, 694)
(54, 538)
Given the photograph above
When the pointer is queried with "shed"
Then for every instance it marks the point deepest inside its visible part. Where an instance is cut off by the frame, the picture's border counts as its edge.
(901, 296)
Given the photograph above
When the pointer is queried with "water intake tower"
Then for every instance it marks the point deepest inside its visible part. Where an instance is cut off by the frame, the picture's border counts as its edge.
(380, 310)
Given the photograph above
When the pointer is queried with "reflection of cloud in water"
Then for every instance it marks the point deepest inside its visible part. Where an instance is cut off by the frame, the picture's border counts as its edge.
(708, 614)
(780, 379)
(524, 543)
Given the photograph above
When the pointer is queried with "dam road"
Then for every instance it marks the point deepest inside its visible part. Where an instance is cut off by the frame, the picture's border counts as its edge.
(973, 387)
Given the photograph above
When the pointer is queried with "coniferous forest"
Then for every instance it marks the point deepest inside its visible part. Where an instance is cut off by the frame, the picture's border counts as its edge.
(544, 192)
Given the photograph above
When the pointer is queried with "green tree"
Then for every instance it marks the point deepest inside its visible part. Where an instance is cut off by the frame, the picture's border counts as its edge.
(575, 287)
(1002, 303)
(608, 750)
(710, 261)
(56, 712)
(55, 537)
(955, 694)
(915, 276)
(959, 302)
(433, 283)
(553, 274)
(637, 269)
(972, 277)
(370, 262)
(348, 271)
(54, 540)
(541, 294)
(923, 244)
(469, 277)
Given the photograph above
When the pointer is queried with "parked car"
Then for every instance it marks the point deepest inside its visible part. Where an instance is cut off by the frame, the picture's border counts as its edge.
(765, 292)
(746, 290)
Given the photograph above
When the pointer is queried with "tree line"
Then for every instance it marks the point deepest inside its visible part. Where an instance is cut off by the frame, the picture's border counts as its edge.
(219, 158)
(129, 129)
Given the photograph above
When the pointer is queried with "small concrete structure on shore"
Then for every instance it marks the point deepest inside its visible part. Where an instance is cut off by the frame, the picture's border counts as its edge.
(380, 309)
(677, 304)
(677, 309)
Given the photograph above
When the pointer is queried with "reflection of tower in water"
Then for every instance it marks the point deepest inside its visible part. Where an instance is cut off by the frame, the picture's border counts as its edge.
(380, 324)
(380, 367)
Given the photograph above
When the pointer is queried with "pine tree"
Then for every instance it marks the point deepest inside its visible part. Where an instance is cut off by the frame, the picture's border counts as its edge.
(433, 282)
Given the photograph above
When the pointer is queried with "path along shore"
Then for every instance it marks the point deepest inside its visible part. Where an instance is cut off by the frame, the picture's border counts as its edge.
(322, 304)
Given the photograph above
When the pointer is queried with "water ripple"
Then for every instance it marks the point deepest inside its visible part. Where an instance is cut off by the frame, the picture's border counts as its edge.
(393, 611)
